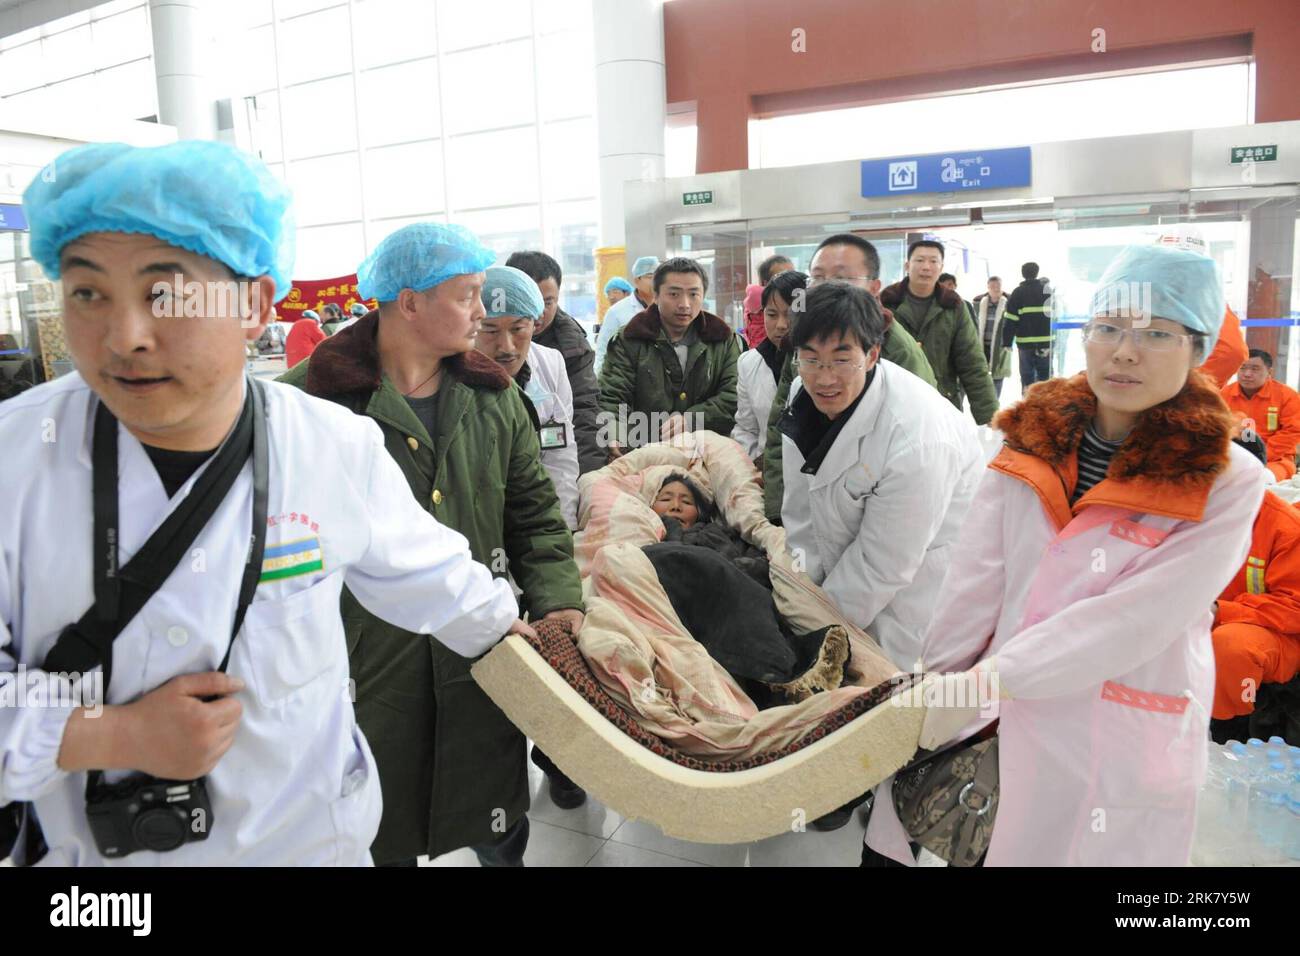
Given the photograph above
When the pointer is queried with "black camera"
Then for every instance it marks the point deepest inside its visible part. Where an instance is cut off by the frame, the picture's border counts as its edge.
(141, 812)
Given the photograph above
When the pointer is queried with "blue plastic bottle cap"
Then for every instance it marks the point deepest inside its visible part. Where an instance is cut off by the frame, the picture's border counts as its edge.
(1237, 747)
(1254, 742)
(1277, 740)
(1277, 765)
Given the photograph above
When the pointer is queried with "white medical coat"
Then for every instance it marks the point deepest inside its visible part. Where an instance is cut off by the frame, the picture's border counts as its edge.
(876, 525)
(299, 784)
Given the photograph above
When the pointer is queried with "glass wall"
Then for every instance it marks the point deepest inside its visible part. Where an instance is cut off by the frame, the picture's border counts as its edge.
(99, 62)
(379, 113)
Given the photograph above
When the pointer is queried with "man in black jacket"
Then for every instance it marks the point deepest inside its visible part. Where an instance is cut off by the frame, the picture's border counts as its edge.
(561, 331)
(1029, 312)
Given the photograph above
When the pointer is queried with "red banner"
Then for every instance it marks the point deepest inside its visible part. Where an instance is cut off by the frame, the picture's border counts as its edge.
(315, 293)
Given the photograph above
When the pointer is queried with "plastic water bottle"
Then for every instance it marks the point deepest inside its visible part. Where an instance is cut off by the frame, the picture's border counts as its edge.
(1291, 847)
(1213, 829)
(1268, 790)
(1236, 784)
(1291, 833)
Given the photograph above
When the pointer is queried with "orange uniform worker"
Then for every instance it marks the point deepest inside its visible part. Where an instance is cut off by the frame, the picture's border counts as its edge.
(1257, 617)
(1271, 408)
(1229, 351)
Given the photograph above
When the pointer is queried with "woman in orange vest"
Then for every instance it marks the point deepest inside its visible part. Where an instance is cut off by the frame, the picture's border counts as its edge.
(1269, 408)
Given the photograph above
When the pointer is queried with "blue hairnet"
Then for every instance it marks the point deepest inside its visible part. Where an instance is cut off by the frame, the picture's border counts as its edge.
(421, 256)
(310, 314)
(644, 266)
(358, 310)
(1165, 283)
(205, 197)
(618, 282)
(508, 291)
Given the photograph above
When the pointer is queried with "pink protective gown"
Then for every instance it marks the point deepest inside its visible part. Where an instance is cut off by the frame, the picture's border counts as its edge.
(1099, 616)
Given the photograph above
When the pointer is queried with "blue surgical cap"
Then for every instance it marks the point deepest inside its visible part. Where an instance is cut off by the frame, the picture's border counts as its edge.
(644, 266)
(510, 292)
(618, 282)
(205, 197)
(310, 314)
(1164, 283)
(421, 256)
(358, 310)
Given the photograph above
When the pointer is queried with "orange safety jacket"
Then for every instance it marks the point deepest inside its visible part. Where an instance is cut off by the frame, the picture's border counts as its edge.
(1266, 590)
(1229, 353)
(1274, 414)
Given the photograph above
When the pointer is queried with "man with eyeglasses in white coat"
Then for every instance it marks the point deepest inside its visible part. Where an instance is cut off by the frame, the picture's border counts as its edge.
(879, 470)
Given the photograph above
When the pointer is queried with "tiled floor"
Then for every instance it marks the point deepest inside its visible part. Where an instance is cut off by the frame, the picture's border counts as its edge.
(593, 835)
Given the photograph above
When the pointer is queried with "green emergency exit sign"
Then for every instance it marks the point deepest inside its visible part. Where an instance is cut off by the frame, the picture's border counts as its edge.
(1254, 154)
(703, 197)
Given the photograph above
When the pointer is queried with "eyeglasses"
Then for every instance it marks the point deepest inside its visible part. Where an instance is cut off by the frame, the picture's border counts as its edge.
(838, 366)
(1153, 340)
(856, 280)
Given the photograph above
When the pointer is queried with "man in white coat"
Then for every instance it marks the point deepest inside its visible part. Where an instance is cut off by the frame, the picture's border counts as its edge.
(160, 375)
(758, 370)
(621, 313)
(879, 471)
(513, 305)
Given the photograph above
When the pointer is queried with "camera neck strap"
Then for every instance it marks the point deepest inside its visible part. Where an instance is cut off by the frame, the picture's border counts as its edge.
(120, 592)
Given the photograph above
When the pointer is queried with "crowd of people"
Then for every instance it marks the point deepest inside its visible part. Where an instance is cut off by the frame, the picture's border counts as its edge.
(412, 482)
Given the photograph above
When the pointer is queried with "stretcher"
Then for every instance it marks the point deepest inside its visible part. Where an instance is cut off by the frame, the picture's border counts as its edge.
(634, 711)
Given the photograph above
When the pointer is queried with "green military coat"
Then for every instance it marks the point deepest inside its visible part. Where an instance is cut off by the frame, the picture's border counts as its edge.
(950, 342)
(642, 375)
(451, 766)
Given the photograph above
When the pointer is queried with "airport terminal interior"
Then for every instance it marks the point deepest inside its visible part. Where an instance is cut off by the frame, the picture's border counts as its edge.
(755, 566)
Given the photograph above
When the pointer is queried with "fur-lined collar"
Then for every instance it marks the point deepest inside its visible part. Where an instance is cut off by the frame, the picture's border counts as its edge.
(893, 296)
(646, 325)
(1182, 442)
(349, 362)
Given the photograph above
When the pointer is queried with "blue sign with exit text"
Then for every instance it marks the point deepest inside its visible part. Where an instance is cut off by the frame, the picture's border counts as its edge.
(947, 172)
(12, 217)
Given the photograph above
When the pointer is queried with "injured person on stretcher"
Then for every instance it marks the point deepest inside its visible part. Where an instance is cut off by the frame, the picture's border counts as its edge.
(636, 708)
(719, 586)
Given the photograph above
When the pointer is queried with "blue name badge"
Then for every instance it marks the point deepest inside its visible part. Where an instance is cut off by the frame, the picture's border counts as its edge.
(947, 172)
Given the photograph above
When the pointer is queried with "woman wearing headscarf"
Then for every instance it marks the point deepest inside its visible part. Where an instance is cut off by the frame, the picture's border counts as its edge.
(1080, 594)
(719, 587)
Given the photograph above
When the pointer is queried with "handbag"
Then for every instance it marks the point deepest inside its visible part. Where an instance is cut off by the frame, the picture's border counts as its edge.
(947, 802)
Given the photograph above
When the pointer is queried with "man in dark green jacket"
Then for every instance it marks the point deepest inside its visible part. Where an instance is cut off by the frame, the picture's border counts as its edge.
(451, 766)
(851, 259)
(937, 318)
(671, 369)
